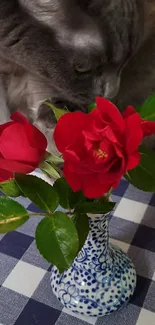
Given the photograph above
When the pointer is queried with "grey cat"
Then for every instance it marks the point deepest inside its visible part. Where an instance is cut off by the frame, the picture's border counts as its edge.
(71, 51)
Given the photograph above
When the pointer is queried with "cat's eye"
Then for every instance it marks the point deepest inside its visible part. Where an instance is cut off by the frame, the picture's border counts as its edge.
(81, 69)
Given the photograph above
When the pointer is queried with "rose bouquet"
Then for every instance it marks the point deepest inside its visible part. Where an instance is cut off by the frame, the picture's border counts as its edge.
(96, 150)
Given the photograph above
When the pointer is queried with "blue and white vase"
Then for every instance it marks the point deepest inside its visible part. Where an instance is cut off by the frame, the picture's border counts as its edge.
(101, 279)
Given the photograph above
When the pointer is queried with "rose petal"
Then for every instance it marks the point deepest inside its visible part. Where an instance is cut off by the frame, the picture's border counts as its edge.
(14, 145)
(115, 172)
(148, 128)
(91, 135)
(110, 113)
(134, 134)
(93, 188)
(18, 117)
(5, 175)
(35, 138)
(128, 111)
(133, 161)
(4, 126)
(13, 139)
(110, 134)
(68, 128)
(73, 179)
(116, 183)
(15, 167)
(70, 155)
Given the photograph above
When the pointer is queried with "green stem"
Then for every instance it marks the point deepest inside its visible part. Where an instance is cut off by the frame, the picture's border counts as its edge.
(46, 214)
(109, 193)
(54, 107)
(40, 214)
(50, 105)
(104, 198)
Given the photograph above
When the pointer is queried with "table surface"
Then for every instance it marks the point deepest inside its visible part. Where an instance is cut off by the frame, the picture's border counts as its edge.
(26, 297)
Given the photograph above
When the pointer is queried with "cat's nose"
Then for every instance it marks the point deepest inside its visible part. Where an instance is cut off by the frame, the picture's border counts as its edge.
(108, 85)
(111, 88)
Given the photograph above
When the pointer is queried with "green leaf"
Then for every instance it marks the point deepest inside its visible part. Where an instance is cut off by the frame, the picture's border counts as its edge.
(91, 107)
(50, 169)
(143, 176)
(12, 215)
(54, 159)
(75, 199)
(38, 191)
(138, 108)
(67, 198)
(62, 190)
(82, 225)
(95, 207)
(147, 110)
(58, 112)
(10, 188)
(57, 240)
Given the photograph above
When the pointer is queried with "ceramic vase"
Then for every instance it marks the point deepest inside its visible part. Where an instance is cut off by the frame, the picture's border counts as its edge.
(101, 279)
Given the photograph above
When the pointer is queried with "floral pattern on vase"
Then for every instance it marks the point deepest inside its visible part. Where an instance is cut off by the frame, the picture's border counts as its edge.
(101, 279)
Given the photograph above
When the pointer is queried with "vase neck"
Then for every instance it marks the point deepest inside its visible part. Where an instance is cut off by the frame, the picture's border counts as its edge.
(99, 230)
(96, 246)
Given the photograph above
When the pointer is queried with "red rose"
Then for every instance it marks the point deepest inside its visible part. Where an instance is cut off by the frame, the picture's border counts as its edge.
(22, 147)
(98, 148)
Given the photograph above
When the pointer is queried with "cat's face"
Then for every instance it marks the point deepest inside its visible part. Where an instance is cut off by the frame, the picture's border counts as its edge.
(92, 40)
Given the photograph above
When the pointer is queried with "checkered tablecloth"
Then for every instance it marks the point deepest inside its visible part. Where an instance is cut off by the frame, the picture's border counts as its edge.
(26, 297)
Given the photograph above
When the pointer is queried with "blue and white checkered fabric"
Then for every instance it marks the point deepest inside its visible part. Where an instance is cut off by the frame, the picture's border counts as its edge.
(26, 297)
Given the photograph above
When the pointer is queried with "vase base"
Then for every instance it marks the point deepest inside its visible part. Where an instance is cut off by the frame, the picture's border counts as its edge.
(97, 288)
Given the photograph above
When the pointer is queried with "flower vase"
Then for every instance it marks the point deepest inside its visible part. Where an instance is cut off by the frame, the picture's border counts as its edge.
(101, 279)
